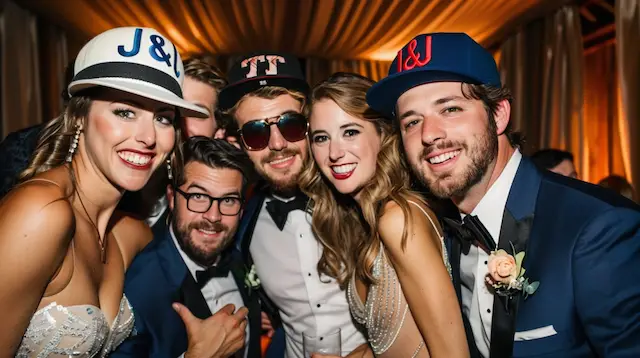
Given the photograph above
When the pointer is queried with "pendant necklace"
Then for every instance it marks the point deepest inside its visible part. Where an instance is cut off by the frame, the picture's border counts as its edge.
(101, 241)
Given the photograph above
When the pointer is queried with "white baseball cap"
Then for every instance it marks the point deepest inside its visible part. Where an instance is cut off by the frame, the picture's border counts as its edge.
(137, 60)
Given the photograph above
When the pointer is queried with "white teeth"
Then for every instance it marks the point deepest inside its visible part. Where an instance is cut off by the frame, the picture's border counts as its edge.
(282, 160)
(208, 232)
(443, 157)
(345, 168)
(135, 158)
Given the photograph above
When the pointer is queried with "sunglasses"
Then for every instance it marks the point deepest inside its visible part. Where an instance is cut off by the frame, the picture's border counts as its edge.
(256, 134)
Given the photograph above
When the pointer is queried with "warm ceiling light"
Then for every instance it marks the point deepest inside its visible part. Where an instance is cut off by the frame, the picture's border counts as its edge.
(385, 55)
(183, 44)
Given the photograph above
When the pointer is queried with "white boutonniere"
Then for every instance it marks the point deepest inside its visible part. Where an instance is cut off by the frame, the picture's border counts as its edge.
(251, 279)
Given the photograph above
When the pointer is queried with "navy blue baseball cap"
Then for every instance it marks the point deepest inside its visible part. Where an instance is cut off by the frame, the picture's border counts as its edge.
(435, 57)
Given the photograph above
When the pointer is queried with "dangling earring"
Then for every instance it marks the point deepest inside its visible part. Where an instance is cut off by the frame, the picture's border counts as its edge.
(74, 143)
(169, 172)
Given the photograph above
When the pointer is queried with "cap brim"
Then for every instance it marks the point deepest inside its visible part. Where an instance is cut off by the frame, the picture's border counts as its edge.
(231, 94)
(143, 89)
(384, 94)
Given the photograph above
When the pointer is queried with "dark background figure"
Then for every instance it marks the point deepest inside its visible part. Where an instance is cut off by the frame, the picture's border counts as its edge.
(555, 160)
(620, 185)
(16, 148)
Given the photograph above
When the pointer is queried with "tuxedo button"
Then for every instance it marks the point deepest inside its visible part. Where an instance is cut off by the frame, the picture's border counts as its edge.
(309, 274)
(321, 338)
(485, 262)
(488, 310)
(318, 305)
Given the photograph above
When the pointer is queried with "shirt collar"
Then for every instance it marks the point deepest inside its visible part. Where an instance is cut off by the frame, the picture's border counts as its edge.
(491, 207)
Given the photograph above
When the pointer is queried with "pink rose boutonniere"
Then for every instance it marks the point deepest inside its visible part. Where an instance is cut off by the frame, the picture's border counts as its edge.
(506, 274)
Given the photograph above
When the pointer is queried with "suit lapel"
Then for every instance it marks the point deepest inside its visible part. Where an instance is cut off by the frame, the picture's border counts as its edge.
(186, 290)
(250, 299)
(248, 224)
(455, 250)
(516, 226)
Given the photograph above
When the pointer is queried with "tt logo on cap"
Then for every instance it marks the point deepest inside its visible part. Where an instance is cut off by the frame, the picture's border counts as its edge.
(252, 63)
(414, 59)
(156, 50)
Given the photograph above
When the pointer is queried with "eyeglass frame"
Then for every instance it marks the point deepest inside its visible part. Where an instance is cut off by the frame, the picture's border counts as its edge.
(269, 124)
(188, 197)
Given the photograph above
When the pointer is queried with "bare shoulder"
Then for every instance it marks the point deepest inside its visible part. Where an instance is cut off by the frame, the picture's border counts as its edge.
(131, 233)
(37, 206)
(422, 220)
(38, 222)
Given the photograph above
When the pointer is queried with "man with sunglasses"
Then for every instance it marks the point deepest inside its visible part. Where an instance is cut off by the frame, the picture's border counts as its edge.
(266, 97)
(175, 284)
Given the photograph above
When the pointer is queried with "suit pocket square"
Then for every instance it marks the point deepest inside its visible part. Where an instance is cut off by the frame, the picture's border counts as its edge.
(542, 332)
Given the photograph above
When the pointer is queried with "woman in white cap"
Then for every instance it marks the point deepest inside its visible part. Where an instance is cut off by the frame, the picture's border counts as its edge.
(63, 252)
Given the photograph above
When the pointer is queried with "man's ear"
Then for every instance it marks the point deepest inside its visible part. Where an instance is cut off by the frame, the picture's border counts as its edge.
(502, 116)
(170, 196)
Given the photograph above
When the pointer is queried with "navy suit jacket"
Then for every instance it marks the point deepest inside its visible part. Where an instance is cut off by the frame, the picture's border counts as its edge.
(582, 244)
(158, 277)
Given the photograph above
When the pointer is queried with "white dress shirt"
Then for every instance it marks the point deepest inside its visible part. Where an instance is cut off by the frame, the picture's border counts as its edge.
(286, 263)
(218, 292)
(477, 300)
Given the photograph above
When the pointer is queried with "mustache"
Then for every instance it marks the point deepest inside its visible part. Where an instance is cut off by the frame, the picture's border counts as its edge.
(208, 226)
(441, 146)
(286, 152)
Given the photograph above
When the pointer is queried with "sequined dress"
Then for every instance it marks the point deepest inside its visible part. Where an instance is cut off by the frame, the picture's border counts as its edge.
(391, 329)
(75, 331)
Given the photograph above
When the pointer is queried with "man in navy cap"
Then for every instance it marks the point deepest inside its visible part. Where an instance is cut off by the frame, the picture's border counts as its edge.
(544, 265)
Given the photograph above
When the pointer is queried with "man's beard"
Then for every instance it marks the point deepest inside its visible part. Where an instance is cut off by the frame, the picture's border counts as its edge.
(482, 154)
(286, 181)
(199, 255)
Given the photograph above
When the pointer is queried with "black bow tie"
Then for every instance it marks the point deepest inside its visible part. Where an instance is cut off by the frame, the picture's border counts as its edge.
(471, 231)
(219, 270)
(279, 210)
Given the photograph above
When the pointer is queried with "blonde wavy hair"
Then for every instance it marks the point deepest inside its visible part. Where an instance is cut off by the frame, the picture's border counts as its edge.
(55, 138)
(348, 231)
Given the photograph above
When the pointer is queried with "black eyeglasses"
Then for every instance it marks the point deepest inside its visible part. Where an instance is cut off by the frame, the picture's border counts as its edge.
(201, 203)
(255, 134)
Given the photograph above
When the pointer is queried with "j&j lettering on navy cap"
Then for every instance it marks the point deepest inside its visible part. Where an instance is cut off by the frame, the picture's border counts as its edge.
(436, 57)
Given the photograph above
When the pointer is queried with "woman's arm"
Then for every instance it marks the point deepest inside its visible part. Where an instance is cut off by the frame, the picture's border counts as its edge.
(425, 281)
(36, 228)
(131, 234)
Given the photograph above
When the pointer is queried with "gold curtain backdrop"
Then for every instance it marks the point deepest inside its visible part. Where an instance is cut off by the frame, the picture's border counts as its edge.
(331, 29)
(543, 66)
(628, 61)
(601, 102)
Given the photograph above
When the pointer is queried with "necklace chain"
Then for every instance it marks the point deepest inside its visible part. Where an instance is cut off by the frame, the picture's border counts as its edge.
(101, 241)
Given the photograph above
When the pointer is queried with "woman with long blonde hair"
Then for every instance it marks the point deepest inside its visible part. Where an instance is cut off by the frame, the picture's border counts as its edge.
(381, 241)
(63, 251)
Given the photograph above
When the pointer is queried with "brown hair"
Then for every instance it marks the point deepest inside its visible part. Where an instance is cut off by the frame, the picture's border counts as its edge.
(491, 97)
(348, 232)
(55, 138)
(618, 184)
(199, 69)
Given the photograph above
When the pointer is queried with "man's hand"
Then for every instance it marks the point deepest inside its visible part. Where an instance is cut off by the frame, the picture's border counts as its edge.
(218, 336)
(266, 325)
